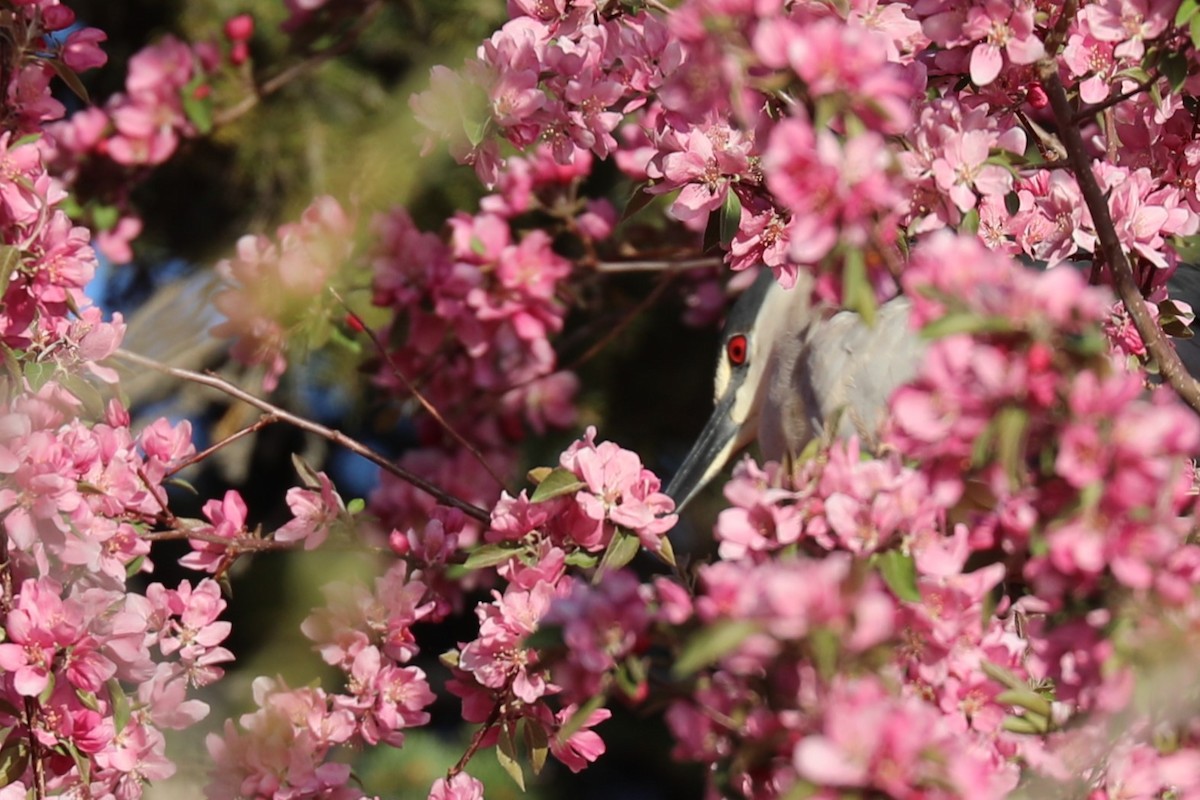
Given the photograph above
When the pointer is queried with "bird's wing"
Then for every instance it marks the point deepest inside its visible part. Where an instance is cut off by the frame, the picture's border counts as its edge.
(851, 369)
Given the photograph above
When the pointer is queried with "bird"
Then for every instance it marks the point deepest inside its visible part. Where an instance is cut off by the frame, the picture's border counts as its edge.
(791, 371)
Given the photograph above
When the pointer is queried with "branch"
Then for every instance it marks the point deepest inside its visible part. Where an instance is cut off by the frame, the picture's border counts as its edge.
(1169, 365)
(277, 82)
(1087, 112)
(658, 265)
(31, 714)
(259, 424)
(337, 437)
(429, 407)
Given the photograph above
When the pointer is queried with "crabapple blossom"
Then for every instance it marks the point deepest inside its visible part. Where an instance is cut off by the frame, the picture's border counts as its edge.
(1002, 595)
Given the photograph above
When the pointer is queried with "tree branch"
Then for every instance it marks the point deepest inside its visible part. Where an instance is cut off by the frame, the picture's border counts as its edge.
(337, 437)
(429, 407)
(297, 70)
(1169, 365)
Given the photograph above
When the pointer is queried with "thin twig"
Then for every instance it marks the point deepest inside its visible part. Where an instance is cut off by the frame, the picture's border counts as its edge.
(6, 578)
(259, 424)
(429, 407)
(657, 265)
(35, 749)
(1087, 112)
(1058, 36)
(477, 739)
(1047, 143)
(335, 436)
(624, 322)
(240, 544)
(1169, 365)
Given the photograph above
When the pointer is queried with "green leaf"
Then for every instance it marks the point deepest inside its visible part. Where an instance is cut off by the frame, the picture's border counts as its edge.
(583, 559)
(356, 506)
(899, 572)
(1011, 424)
(1174, 67)
(14, 759)
(10, 262)
(631, 677)
(965, 322)
(538, 474)
(546, 637)
(711, 242)
(666, 552)
(1012, 203)
(121, 708)
(823, 643)
(560, 482)
(1026, 699)
(638, 200)
(197, 109)
(622, 547)
(538, 745)
(857, 294)
(182, 484)
(1002, 675)
(44, 697)
(489, 555)
(1029, 724)
(1187, 10)
(579, 718)
(86, 391)
(134, 567)
(104, 217)
(38, 373)
(711, 643)
(731, 217)
(970, 222)
(1194, 31)
(506, 754)
(70, 79)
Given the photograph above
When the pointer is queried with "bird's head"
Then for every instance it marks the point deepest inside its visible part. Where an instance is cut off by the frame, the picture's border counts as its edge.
(764, 315)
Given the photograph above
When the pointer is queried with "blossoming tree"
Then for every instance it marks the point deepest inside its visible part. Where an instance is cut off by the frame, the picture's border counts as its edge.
(1002, 600)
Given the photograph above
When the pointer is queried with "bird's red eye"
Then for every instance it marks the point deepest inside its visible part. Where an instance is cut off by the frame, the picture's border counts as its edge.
(735, 348)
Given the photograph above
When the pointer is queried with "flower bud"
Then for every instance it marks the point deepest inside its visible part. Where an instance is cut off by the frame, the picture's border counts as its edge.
(239, 28)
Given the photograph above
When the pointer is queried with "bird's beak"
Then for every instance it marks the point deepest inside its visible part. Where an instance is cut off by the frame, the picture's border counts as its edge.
(721, 438)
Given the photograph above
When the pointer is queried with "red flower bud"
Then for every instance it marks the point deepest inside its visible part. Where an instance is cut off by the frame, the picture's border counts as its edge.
(239, 53)
(1037, 97)
(239, 28)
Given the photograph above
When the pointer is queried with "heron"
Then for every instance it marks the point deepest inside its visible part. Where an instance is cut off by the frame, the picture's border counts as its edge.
(790, 372)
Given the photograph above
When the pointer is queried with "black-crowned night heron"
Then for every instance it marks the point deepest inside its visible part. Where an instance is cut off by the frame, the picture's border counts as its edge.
(789, 371)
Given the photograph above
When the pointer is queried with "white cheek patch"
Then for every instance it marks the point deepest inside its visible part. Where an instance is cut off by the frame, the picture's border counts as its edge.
(724, 374)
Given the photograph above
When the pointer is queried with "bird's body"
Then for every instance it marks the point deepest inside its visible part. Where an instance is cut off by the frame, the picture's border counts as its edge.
(840, 373)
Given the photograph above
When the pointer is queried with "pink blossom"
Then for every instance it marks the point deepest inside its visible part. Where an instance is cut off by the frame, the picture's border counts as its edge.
(460, 787)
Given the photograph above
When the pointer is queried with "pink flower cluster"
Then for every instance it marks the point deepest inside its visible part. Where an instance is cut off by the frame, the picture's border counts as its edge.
(56, 260)
(165, 90)
(284, 748)
(277, 288)
(37, 46)
(1010, 401)
(70, 652)
(477, 311)
(616, 494)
